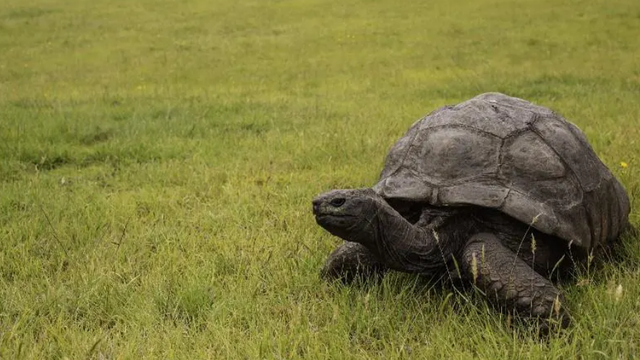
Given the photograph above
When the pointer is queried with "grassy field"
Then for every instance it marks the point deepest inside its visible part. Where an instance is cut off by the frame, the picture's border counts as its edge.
(158, 159)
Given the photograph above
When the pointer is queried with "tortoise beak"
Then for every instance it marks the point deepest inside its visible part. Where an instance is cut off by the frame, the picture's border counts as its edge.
(316, 206)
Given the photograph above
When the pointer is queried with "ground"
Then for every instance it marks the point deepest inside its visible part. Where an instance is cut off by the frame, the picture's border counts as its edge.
(158, 161)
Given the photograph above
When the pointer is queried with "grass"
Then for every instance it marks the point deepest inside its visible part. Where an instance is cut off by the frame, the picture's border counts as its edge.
(158, 158)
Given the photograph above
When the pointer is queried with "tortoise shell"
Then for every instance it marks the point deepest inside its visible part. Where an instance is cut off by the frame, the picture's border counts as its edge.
(506, 153)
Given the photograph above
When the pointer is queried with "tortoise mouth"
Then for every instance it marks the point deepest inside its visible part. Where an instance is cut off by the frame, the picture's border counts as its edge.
(334, 221)
(326, 215)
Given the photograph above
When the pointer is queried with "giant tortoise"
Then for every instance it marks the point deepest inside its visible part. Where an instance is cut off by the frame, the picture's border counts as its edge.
(496, 192)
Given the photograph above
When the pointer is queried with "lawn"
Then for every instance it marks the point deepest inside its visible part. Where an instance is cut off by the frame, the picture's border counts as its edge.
(158, 161)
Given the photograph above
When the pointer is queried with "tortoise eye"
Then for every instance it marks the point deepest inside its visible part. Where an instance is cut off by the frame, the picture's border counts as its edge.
(337, 202)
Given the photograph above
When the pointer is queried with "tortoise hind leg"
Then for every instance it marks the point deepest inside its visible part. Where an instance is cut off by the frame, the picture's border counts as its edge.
(510, 283)
(350, 261)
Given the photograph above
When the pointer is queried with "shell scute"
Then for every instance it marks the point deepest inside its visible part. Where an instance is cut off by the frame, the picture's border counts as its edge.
(506, 153)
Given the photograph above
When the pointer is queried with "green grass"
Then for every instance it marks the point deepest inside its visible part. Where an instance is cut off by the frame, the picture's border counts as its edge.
(158, 158)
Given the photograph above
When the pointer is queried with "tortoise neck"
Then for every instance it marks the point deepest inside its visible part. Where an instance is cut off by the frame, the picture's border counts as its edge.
(405, 247)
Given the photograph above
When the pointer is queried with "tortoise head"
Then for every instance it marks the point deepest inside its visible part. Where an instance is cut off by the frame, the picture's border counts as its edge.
(349, 214)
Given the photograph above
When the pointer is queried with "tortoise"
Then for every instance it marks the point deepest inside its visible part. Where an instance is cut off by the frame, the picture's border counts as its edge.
(496, 192)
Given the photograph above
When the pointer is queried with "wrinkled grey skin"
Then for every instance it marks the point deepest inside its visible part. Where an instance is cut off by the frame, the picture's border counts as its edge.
(495, 192)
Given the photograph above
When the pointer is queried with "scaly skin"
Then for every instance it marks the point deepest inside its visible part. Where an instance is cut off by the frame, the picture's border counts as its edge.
(350, 261)
(509, 282)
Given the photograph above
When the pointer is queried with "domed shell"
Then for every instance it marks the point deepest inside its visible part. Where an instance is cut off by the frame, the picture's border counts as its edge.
(508, 154)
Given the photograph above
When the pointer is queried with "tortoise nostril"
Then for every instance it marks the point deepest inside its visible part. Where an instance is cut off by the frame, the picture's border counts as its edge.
(337, 202)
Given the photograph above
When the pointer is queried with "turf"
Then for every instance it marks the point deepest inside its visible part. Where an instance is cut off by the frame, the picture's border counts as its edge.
(158, 158)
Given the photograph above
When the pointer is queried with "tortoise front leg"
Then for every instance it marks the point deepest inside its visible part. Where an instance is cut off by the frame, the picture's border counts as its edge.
(510, 283)
(350, 261)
